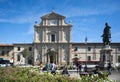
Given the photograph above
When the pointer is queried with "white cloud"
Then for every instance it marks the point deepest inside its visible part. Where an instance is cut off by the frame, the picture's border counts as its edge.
(30, 30)
(21, 19)
(101, 9)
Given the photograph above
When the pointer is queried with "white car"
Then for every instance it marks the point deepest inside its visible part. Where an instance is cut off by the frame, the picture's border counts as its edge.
(4, 63)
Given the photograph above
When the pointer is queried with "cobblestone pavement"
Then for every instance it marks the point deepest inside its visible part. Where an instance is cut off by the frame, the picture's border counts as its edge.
(115, 75)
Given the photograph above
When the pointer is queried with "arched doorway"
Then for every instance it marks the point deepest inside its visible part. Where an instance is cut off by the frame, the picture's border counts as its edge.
(52, 56)
(75, 61)
(30, 61)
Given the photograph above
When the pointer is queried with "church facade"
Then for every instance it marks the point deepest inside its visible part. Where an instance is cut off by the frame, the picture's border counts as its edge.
(52, 38)
(52, 34)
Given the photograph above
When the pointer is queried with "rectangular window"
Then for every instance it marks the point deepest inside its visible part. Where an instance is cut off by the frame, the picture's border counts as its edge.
(89, 48)
(18, 58)
(119, 59)
(3, 53)
(76, 49)
(94, 54)
(18, 48)
(89, 58)
(118, 48)
(53, 38)
(30, 48)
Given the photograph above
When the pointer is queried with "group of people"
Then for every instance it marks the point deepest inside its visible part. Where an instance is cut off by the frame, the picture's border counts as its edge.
(48, 67)
(96, 69)
(51, 67)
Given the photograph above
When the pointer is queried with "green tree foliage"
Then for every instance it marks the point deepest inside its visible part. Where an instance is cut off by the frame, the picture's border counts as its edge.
(25, 53)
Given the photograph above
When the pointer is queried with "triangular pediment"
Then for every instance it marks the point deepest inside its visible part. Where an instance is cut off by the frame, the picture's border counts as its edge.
(52, 15)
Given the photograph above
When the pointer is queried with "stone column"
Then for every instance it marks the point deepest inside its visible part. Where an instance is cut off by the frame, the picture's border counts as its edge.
(62, 34)
(35, 55)
(35, 34)
(45, 34)
(43, 56)
(70, 35)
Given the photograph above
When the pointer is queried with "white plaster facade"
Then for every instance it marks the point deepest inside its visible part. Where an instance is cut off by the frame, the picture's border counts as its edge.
(91, 52)
(54, 33)
(6, 52)
(18, 56)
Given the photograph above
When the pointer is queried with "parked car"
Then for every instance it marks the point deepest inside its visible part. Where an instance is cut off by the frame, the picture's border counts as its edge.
(4, 63)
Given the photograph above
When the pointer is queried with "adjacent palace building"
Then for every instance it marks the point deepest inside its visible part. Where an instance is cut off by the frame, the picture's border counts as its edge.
(52, 37)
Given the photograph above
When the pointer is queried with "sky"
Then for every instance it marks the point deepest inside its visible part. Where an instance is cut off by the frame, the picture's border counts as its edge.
(88, 17)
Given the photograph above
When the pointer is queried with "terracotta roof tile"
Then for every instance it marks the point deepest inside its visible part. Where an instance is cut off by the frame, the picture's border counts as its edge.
(6, 45)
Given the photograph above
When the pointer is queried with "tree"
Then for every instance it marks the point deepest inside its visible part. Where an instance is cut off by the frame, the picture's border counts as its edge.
(25, 53)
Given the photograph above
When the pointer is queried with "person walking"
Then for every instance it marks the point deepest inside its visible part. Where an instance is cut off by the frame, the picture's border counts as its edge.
(80, 68)
(109, 68)
(41, 67)
(65, 71)
(97, 70)
(53, 69)
(47, 67)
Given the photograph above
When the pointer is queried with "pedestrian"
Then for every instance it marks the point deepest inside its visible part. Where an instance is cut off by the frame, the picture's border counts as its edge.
(53, 68)
(65, 71)
(41, 67)
(80, 68)
(85, 68)
(47, 67)
(109, 68)
(97, 70)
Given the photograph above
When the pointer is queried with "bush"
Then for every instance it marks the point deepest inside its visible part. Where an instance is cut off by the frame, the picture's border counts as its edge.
(17, 74)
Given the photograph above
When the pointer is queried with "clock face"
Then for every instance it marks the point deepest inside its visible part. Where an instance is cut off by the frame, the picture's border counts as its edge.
(52, 22)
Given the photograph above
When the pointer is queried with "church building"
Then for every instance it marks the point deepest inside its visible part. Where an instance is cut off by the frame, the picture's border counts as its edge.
(53, 43)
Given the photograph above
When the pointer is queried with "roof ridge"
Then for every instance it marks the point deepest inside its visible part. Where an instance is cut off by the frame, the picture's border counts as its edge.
(53, 13)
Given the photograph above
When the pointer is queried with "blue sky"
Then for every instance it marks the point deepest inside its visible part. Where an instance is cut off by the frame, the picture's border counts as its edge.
(17, 18)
